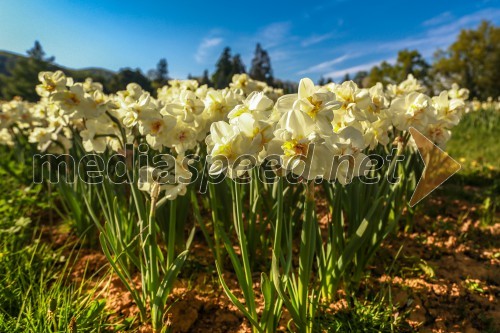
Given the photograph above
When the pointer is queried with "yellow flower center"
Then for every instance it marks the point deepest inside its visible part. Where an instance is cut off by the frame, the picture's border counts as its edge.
(182, 136)
(225, 150)
(72, 100)
(293, 147)
(316, 106)
(156, 126)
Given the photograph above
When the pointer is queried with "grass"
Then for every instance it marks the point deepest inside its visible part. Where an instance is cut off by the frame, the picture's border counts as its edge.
(376, 316)
(36, 296)
(475, 145)
(35, 292)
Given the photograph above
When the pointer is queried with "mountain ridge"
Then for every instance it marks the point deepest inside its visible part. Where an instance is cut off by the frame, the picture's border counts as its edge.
(8, 58)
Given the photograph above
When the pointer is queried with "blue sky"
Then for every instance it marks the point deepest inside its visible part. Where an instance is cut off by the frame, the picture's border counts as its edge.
(303, 38)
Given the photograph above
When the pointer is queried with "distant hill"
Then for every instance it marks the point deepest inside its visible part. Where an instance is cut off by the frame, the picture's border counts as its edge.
(5, 59)
(8, 59)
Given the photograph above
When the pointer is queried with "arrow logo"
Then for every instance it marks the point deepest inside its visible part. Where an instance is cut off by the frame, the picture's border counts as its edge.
(439, 166)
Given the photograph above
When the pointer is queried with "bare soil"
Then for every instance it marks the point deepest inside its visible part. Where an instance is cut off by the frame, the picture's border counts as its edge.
(447, 276)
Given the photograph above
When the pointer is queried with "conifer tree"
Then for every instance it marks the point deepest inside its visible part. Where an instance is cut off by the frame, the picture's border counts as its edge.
(223, 69)
(205, 79)
(23, 74)
(261, 66)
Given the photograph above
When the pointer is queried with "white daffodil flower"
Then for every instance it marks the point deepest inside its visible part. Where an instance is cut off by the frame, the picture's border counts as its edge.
(6, 138)
(172, 178)
(74, 101)
(257, 104)
(438, 132)
(406, 87)
(219, 103)
(244, 83)
(52, 82)
(134, 111)
(300, 147)
(181, 138)
(99, 133)
(187, 107)
(414, 109)
(317, 103)
(376, 132)
(356, 102)
(227, 144)
(347, 159)
(448, 110)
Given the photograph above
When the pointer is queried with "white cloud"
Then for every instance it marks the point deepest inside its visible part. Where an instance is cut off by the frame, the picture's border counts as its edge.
(466, 21)
(441, 18)
(274, 34)
(440, 34)
(279, 55)
(204, 48)
(354, 69)
(325, 66)
(315, 39)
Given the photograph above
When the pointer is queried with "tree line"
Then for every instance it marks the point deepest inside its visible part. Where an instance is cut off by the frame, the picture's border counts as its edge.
(21, 75)
(472, 61)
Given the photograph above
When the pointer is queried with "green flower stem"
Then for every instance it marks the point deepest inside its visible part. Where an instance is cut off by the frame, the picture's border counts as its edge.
(153, 273)
(306, 257)
(171, 233)
(240, 229)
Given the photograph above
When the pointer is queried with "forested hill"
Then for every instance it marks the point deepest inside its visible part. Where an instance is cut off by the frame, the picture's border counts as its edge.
(9, 59)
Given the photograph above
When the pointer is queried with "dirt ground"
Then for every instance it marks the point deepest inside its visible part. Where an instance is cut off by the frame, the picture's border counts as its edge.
(446, 276)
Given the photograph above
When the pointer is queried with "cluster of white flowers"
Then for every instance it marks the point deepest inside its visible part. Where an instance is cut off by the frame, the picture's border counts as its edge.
(306, 130)
(335, 120)
(490, 104)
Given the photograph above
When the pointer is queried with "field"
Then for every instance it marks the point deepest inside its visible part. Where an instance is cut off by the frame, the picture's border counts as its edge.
(339, 256)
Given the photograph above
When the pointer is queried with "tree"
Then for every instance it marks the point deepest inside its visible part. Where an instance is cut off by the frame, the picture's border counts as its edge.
(125, 76)
(322, 81)
(22, 76)
(37, 53)
(346, 77)
(408, 62)
(360, 77)
(411, 62)
(288, 87)
(205, 79)
(261, 66)
(159, 75)
(162, 71)
(472, 61)
(382, 73)
(238, 67)
(223, 69)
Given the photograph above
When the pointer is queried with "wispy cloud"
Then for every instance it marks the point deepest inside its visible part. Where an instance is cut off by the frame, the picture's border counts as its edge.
(275, 38)
(437, 32)
(466, 21)
(205, 46)
(441, 32)
(315, 39)
(441, 18)
(274, 34)
(325, 66)
(354, 69)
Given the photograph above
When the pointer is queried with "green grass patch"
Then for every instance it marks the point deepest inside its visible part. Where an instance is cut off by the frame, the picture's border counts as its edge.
(475, 144)
(36, 294)
(365, 316)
